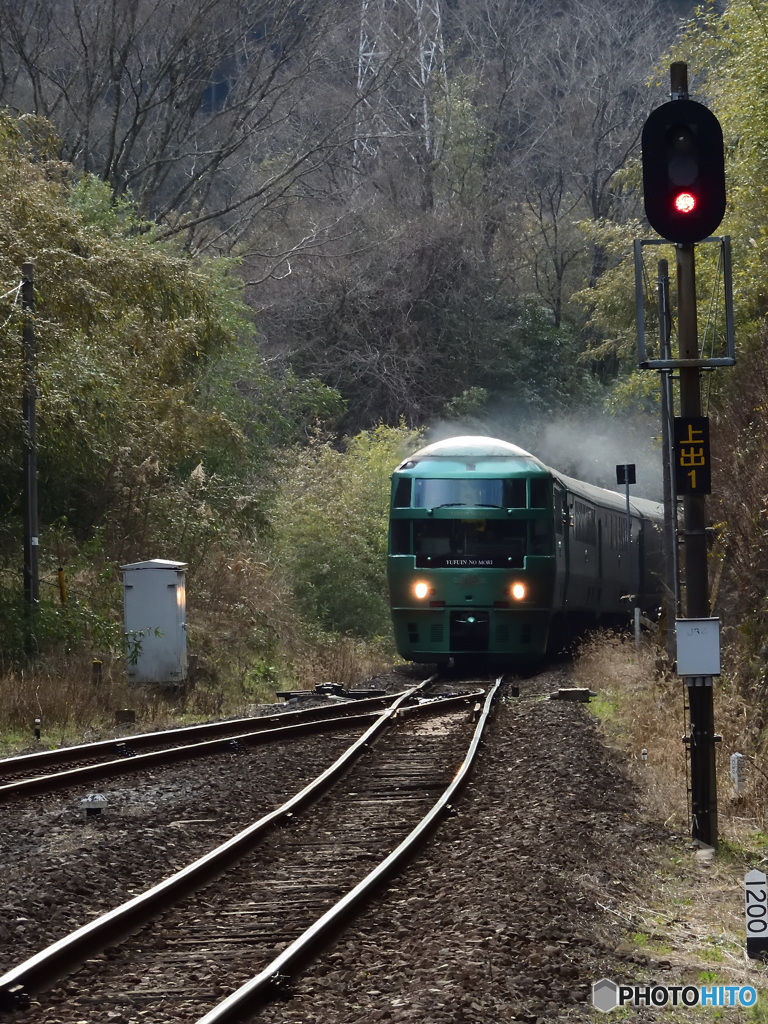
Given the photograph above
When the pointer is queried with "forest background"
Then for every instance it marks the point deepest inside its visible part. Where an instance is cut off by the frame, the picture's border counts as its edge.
(276, 244)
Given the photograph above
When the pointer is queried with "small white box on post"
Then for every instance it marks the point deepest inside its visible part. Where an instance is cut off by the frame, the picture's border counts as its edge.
(154, 605)
(698, 647)
(738, 766)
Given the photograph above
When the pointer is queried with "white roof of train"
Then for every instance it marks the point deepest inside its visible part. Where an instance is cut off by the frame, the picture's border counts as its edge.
(471, 446)
(480, 448)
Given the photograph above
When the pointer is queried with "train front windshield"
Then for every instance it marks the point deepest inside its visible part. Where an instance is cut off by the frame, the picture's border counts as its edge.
(473, 493)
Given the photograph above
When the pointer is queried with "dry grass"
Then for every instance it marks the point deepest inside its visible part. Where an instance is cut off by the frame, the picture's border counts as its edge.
(640, 710)
(244, 623)
(73, 706)
(245, 633)
(340, 659)
(641, 705)
(693, 915)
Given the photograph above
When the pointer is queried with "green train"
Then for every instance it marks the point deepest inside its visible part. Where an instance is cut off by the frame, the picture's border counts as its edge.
(493, 554)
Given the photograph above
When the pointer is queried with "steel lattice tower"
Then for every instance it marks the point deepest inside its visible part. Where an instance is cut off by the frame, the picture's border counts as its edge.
(401, 64)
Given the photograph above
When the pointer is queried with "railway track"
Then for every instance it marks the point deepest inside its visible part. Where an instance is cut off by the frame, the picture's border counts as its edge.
(48, 770)
(209, 943)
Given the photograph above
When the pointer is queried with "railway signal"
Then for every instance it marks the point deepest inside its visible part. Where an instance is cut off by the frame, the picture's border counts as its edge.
(684, 190)
(683, 171)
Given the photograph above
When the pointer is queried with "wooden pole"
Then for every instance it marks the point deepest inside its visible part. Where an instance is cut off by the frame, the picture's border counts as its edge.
(29, 410)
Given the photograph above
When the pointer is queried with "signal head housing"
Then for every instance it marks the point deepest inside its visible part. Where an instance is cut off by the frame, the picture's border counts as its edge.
(683, 171)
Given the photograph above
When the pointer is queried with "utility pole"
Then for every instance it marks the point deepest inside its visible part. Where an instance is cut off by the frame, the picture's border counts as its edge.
(29, 406)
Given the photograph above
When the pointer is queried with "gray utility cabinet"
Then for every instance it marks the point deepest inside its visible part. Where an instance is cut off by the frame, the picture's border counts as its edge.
(154, 602)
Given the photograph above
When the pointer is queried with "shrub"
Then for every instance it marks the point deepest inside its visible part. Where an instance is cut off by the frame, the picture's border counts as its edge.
(332, 527)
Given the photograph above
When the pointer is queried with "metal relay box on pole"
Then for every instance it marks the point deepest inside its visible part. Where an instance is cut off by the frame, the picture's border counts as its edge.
(154, 604)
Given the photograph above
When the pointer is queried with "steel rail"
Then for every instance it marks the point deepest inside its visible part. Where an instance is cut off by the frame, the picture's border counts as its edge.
(262, 988)
(171, 755)
(66, 755)
(43, 969)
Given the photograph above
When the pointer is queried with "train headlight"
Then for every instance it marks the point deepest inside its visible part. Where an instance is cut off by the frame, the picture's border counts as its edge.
(518, 591)
(420, 590)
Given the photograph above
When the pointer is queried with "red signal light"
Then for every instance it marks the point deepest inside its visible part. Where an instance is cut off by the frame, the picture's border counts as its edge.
(685, 202)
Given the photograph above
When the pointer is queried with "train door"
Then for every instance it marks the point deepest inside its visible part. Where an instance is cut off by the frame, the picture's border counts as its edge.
(583, 580)
(562, 542)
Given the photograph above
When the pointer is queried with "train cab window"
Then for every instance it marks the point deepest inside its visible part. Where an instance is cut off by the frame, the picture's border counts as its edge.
(400, 537)
(539, 492)
(541, 537)
(457, 493)
(514, 493)
(403, 492)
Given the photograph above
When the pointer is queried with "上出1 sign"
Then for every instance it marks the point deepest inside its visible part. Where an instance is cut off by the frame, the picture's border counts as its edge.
(691, 449)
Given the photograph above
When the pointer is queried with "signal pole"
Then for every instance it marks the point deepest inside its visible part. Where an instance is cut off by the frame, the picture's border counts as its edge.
(700, 688)
(670, 504)
(685, 198)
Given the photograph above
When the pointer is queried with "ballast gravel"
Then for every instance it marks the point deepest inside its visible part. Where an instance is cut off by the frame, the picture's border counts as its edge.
(516, 906)
(510, 913)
